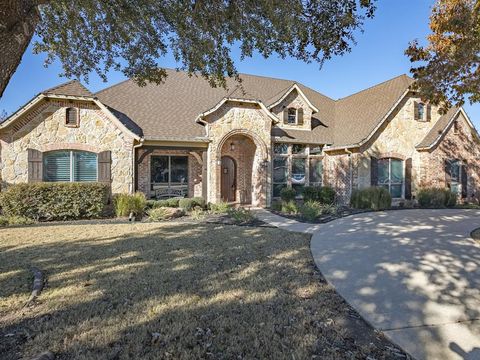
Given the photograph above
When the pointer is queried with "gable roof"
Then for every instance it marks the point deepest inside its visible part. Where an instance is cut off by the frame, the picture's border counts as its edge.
(358, 116)
(70, 88)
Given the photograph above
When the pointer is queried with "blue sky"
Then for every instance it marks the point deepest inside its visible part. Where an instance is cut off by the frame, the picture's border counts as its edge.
(377, 56)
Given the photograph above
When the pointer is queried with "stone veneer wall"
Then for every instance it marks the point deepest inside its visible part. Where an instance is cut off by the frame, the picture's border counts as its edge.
(453, 146)
(294, 100)
(44, 130)
(194, 169)
(240, 119)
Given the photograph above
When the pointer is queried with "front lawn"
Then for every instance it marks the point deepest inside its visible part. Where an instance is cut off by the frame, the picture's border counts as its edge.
(173, 290)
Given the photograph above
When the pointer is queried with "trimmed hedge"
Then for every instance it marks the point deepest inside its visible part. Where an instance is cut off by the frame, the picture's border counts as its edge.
(189, 204)
(288, 194)
(436, 198)
(172, 202)
(55, 201)
(375, 198)
(322, 194)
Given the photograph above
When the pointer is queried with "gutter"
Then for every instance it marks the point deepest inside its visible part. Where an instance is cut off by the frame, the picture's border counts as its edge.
(350, 170)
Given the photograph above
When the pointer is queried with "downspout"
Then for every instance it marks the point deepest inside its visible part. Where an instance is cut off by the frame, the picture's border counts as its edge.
(134, 148)
(350, 170)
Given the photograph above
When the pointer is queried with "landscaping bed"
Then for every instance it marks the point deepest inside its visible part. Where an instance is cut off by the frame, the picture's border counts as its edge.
(173, 290)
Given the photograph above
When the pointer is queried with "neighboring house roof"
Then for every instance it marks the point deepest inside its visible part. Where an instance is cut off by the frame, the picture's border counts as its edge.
(70, 88)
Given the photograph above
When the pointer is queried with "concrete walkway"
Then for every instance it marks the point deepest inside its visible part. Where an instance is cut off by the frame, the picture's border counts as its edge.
(414, 274)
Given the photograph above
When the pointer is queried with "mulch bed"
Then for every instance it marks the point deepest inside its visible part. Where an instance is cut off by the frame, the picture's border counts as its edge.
(342, 212)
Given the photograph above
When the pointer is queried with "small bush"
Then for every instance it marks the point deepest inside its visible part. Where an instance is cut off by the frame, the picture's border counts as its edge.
(197, 213)
(375, 198)
(310, 193)
(54, 201)
(326, 195)
(310, 210)
(172, 203)
(157, 214)
(329, 209)
(126, 204)
(288, 194)
(188, 204)
(219, 208)
(436, 198)
(289, 207)
(240, 215)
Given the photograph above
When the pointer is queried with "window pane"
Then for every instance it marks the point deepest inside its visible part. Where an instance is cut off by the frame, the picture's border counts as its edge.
(56, 166)
(298, 149)
(292, 116)
(179, 170)
(159, 169)
(383, 171)
(85, 166)
(455, 171)
(396, 176)
(316, 169)
(280, 149)
(277, 188)
(298, 171)
(280, 170)
(396, 191)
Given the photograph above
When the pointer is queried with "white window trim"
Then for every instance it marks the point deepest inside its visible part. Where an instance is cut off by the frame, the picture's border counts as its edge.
(390, 177)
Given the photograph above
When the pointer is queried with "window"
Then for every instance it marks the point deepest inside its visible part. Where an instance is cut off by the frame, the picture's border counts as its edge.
(280, 174)
(390, 176)
(70, 165)
(299, 149)
(298, 174)
(316, 171)
(71, 117)
(421, 111)
(281, 149)
(169, 172)
(292, 116)
(456, 177)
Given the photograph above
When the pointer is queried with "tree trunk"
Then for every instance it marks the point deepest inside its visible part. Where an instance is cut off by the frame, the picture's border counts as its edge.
(18, 20)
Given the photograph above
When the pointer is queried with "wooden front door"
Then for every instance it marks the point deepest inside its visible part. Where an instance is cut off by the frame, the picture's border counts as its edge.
(228, 179)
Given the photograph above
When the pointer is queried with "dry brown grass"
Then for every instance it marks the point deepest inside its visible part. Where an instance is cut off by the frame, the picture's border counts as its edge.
(209, 291)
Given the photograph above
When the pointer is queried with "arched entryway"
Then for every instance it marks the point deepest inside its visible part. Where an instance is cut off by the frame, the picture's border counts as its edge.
(238, 154)
(229, 179)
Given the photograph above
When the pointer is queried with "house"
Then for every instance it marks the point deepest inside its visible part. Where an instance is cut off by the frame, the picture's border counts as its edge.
(243, 144)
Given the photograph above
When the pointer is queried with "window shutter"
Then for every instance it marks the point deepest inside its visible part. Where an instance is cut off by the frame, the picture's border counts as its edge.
(464, 180)
(448, 173)
(373, 171)
(408, 179)
(71, 116)
(35, 165)
(285, 116)
(104, 159)
(299, 116)
(429, 112)
(415, 110)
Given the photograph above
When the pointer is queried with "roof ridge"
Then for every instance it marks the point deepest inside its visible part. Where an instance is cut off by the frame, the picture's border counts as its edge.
(373, 86)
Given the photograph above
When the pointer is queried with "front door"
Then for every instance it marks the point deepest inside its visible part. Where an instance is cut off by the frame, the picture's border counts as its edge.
(228, 179)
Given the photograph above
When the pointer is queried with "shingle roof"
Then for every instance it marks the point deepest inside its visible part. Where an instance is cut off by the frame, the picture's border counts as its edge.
(357, 115)
(70, 88)
(437, 129)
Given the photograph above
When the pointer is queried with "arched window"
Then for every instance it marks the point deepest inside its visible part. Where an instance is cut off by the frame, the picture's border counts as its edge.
(292, 115)
(69, 166)
(391, 176)
(71, 117)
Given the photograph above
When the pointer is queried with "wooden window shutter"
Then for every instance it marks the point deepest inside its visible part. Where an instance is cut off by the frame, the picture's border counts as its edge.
(373, 171)
(104, 166)
(285, 116)
(35, 165)
(71, 116)
(448, 173)
(429, 112)
(299, 116)
(408, 179)
(464, 180)
(416, 115)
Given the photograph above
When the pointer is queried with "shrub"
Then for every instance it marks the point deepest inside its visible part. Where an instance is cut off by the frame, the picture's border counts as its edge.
(55, 201)
(375, 198)
(436, 198)
(164, 213)
(288, 194)
(310, 193)
(197, 213)
(172, 203)
(289, 207)
(326, 195)
(329, 209)
(126, 204)
(219, 208)
(276, 206)
(189, 204)
(310, 210)
(240, 215)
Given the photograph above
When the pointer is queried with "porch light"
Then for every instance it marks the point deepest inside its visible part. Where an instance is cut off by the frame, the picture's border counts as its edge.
(232, 146)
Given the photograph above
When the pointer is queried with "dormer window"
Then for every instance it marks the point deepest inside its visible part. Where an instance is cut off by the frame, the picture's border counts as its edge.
(421, 111)
(292, 116)
(71, 117)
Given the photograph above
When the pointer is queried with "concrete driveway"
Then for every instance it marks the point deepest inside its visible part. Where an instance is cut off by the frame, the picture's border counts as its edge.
(414, 274)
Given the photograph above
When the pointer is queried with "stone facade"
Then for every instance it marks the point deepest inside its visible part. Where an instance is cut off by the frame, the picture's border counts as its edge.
(144, 155)
(296, 101)
(44, 129)
(233, 120)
